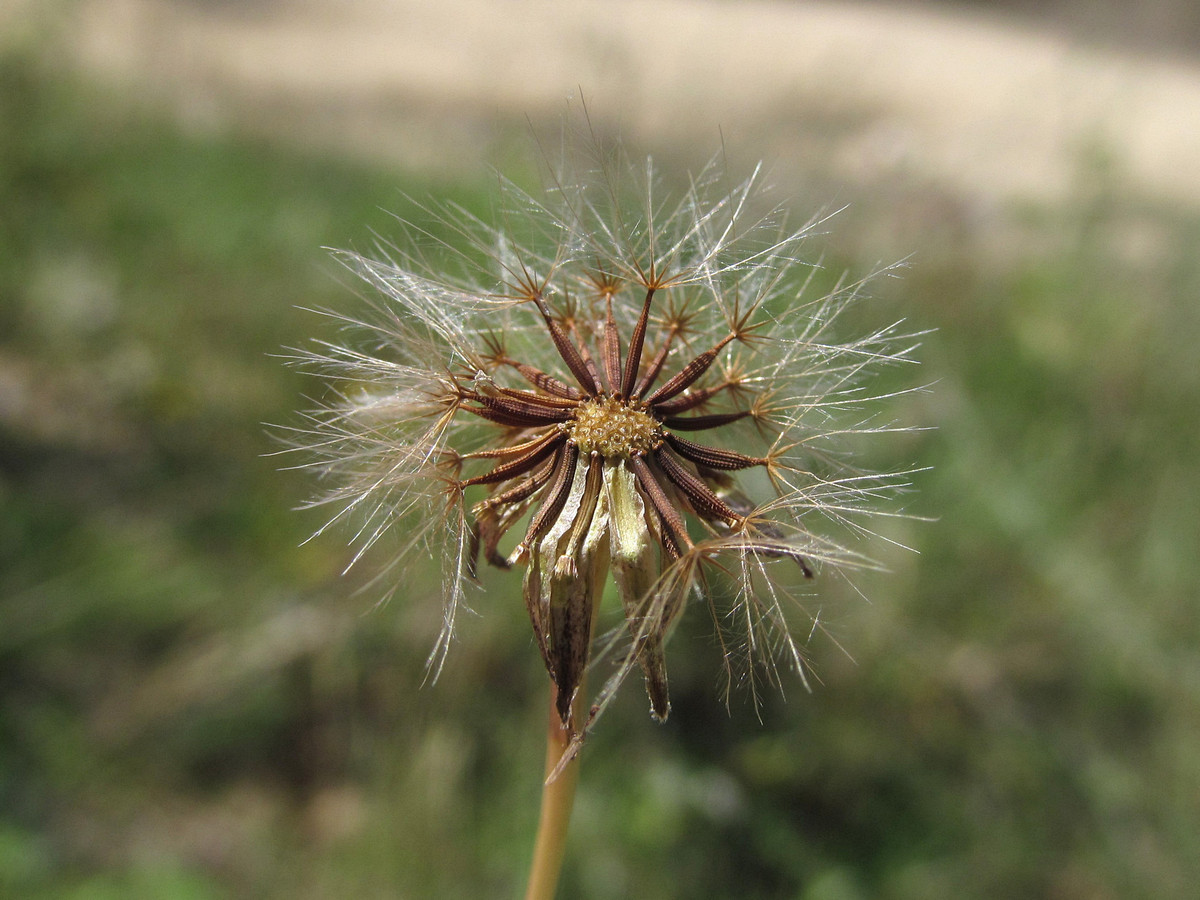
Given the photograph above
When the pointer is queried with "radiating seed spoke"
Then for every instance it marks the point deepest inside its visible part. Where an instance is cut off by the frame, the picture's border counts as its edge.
(567, 350)
(673, 524)
(523, 463)
(556, 498)
(634, 360)
(535, 398)
(689, 374)
(518, 492)
(512, 412)
(690, 400)
(713, 457)
(511, 450)
(703, 500)
(547, 383)
(653, 370)
(702, 423)
(612, 348)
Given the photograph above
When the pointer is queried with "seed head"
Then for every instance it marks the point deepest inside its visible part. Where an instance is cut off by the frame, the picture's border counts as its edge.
(609, 383)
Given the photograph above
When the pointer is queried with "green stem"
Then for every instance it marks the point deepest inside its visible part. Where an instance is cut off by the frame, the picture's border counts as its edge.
(558, 796)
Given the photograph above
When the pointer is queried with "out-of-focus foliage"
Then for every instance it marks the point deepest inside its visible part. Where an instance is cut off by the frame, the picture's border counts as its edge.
(192, 706)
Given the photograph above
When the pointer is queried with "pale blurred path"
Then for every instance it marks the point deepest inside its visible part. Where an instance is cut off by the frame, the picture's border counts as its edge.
(980, 110)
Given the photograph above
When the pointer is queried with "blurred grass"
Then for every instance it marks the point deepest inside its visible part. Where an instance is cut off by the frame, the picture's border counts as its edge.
(193, 706)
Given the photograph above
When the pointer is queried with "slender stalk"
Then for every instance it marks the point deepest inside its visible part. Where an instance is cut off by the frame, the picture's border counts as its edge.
(558, 797)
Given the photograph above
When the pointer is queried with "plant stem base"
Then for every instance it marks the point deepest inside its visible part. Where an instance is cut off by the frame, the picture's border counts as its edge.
(558, 797)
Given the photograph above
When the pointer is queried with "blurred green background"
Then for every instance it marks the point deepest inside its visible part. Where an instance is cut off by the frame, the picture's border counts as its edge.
(192, 705)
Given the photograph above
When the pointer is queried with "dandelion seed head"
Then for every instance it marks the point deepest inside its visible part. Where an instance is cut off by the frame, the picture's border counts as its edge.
(613, 382)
